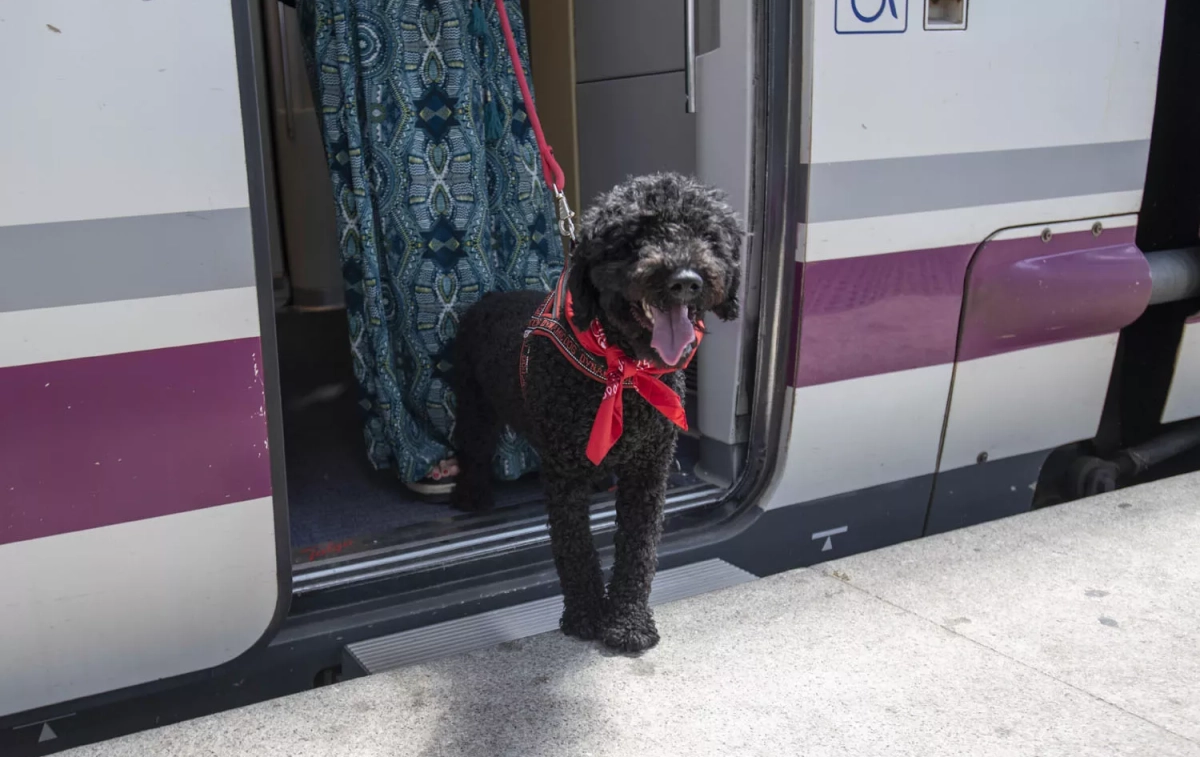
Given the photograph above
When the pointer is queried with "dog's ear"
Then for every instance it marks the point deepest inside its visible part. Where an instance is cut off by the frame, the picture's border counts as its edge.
(603, 228)
(730, 249)
(585, 298)
(729, 309)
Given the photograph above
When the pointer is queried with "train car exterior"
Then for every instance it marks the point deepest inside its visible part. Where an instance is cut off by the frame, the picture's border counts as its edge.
(944, 205)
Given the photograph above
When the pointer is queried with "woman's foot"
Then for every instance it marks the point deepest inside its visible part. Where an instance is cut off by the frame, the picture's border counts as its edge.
(438, 485)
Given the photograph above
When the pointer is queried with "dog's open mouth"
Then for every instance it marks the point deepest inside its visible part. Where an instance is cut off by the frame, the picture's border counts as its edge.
(672, 331)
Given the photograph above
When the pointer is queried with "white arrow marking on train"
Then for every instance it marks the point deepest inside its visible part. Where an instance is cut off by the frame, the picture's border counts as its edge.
(828, 536)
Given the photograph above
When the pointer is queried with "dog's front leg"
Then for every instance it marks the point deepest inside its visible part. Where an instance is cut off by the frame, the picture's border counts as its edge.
(575, 555)
(641, 493)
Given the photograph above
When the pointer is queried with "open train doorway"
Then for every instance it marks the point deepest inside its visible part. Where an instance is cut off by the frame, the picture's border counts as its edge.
(613, 105)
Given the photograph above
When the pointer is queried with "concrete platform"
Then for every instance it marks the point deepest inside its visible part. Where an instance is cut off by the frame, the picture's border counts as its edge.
(1070, 631)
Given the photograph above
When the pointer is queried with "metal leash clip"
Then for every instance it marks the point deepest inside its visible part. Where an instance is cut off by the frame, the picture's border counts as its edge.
(566, 216)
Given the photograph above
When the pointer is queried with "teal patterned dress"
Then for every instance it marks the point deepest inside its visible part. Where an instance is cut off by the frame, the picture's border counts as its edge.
(437, 180)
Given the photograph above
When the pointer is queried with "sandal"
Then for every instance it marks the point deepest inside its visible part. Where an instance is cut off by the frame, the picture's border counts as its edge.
(439, 483)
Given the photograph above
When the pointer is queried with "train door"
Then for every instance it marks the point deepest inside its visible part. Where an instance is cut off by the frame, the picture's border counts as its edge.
(936, 134)
(1042, 312)
(139, 533)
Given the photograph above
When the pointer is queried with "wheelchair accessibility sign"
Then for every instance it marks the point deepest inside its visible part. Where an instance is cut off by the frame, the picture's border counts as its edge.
(870, 16)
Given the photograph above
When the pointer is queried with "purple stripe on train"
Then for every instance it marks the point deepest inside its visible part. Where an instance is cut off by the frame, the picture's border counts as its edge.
(1029, 292)
(877, 314)
(105, 440)
(881, 313)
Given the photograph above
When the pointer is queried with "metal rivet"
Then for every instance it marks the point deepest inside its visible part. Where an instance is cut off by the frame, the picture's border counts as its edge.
(1097, 227)
(1047, 235)
(982, 458)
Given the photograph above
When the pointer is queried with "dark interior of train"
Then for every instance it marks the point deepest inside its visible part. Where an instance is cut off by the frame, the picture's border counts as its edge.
(338, 503)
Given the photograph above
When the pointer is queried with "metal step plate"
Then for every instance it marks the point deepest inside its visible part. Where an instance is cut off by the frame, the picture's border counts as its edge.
(520, 621)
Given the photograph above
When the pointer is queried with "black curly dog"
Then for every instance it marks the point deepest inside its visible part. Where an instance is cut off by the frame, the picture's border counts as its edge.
(652, 252)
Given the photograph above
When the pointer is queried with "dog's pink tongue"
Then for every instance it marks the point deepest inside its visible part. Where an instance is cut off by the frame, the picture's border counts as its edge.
(673, 332)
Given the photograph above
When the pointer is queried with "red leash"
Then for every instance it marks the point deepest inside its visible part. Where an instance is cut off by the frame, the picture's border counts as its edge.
(551, 171)
(617, 371)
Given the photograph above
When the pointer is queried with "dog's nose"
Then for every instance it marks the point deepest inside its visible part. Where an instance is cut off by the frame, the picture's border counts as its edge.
(684, 285)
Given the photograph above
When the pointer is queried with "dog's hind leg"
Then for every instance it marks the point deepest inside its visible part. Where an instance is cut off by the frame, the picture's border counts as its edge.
(641, 494)
(476, 434)
(575, 555)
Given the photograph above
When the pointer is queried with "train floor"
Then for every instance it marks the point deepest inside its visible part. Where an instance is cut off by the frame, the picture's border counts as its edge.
(1067, 631)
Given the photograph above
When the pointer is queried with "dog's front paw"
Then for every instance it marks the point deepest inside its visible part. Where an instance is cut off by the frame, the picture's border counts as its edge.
(581, 623)
(631, 631)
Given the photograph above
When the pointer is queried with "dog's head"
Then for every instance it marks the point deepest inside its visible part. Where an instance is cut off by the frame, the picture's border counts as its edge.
(655, 254)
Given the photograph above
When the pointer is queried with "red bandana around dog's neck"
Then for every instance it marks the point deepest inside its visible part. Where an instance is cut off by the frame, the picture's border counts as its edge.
(623, 372)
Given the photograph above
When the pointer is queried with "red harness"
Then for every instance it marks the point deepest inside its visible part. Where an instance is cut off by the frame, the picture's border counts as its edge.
(590, 353)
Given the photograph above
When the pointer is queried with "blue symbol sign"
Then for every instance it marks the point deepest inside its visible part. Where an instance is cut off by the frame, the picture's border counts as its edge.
(870, 16)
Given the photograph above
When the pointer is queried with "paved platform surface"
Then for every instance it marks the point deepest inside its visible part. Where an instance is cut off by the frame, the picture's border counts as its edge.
(1070, 631)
